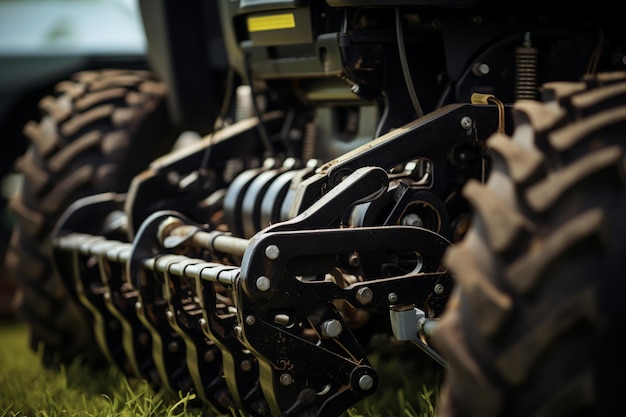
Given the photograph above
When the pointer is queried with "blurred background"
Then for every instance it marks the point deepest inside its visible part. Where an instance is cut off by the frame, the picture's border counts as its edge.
(43, 42)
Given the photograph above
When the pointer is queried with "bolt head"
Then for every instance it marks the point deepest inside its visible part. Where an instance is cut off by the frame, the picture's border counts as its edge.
(466, 122)
(365, 295)
(412, 219)
(263, 283)
(286, 380)
(366, 382)
(331, 328)
(246, 365)
(481, 69)
(272, 252)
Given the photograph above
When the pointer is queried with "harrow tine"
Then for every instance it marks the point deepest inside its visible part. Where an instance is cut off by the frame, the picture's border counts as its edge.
(209, 286)
(203, 357)
(98, 275)
(175, 354)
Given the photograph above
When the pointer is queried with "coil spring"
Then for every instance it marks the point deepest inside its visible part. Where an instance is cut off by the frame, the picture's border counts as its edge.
(310, 141)
(526, 86)
(258, 197)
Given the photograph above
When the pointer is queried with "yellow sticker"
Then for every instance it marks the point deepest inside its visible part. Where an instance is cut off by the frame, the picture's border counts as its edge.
(273, 22)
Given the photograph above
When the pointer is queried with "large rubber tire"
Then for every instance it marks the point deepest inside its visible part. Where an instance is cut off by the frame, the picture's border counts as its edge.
(98, 131)
(534, 326)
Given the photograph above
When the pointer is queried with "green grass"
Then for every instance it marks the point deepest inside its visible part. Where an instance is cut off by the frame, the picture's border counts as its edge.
(408, 388)
(29, 389)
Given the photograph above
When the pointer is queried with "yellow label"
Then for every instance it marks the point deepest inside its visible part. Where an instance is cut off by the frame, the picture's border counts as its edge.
(273, 22)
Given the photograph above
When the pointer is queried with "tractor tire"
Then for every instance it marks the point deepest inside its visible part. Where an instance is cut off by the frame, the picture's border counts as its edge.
(534, 325)
(98, 130)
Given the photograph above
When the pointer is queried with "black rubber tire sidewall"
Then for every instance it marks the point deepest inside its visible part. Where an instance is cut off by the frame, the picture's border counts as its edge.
(99, 130)
(534, 327)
